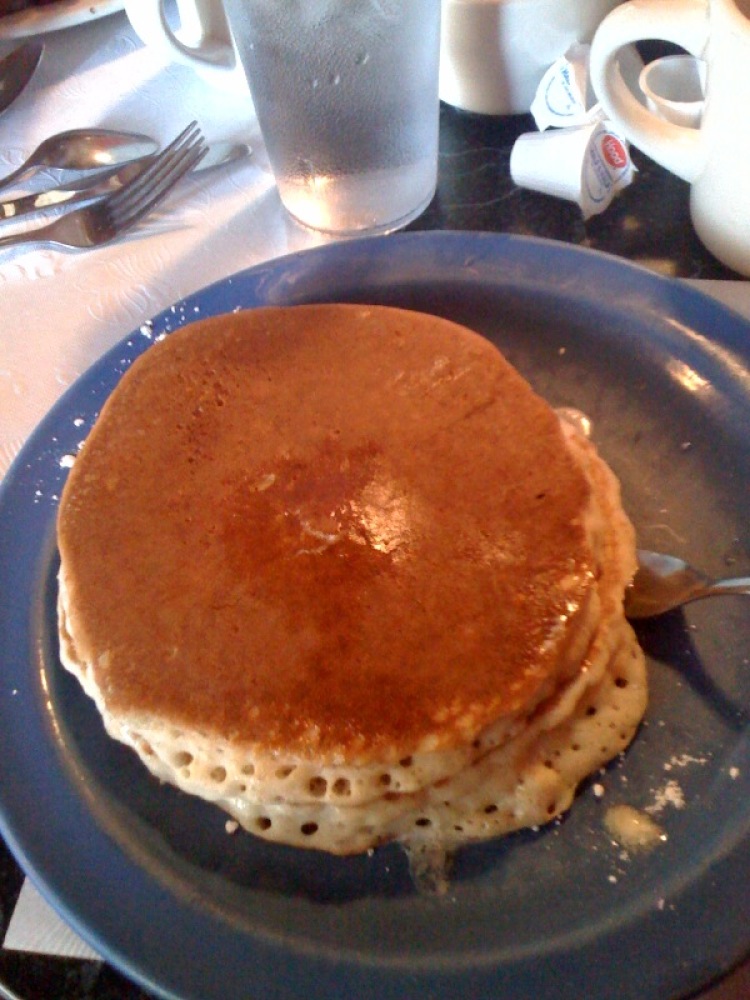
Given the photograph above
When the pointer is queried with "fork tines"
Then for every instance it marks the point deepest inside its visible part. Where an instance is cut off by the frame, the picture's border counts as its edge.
(135, 199)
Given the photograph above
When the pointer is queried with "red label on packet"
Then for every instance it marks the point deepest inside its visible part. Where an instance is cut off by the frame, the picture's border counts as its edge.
(614, 152)
(607, 168)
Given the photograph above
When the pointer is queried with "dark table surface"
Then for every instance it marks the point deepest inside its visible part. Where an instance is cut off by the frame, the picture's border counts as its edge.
(649, 224)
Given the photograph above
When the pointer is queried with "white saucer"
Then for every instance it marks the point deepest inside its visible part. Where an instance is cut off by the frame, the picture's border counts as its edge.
(62, 14)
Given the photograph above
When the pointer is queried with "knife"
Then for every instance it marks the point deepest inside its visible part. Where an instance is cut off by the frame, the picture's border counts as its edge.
(16, 70)
(104, 181)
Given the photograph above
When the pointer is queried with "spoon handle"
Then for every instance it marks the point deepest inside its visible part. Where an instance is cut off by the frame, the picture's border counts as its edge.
(10, 179)
(740, 585)
(32, 236)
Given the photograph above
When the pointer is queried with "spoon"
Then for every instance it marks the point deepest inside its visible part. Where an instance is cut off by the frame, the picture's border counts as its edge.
(16, 70)
(663, 583)
(83, 149)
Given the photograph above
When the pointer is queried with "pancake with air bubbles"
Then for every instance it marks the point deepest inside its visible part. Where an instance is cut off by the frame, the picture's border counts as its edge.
(340, 570)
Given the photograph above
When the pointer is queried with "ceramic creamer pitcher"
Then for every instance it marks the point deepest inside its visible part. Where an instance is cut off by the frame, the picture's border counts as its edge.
(203, 41)
(713, 158)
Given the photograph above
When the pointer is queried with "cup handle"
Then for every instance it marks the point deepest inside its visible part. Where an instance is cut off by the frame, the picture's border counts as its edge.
(685, 23)
(203, 20)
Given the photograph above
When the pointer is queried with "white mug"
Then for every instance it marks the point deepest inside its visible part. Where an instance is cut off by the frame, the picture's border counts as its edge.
(714, 157)
(203, 41)
(674, 88)
(495, 52)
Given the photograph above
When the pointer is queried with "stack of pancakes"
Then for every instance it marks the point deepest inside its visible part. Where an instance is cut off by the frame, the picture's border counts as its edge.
(341, 571)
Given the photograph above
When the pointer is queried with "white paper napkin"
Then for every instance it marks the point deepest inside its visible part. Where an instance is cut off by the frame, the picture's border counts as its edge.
(36, 927)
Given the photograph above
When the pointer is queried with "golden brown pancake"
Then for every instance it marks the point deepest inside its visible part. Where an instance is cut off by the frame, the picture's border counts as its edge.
(334, 554)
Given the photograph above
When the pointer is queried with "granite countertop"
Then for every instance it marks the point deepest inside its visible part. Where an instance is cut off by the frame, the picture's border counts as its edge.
(648, 223)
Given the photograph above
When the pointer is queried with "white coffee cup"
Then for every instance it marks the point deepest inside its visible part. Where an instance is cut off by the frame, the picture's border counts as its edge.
(714, 157)
(495, 52)
(203, 40)
(674, 88)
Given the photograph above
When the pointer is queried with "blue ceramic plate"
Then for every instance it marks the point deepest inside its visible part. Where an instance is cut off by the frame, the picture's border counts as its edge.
(150, 877)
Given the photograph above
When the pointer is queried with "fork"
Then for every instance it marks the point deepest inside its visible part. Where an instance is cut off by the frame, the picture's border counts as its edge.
(106, 219)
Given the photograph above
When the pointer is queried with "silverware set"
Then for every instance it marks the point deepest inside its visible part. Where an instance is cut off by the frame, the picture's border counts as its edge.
(115, 213)
(120, 176)
(94, 184)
